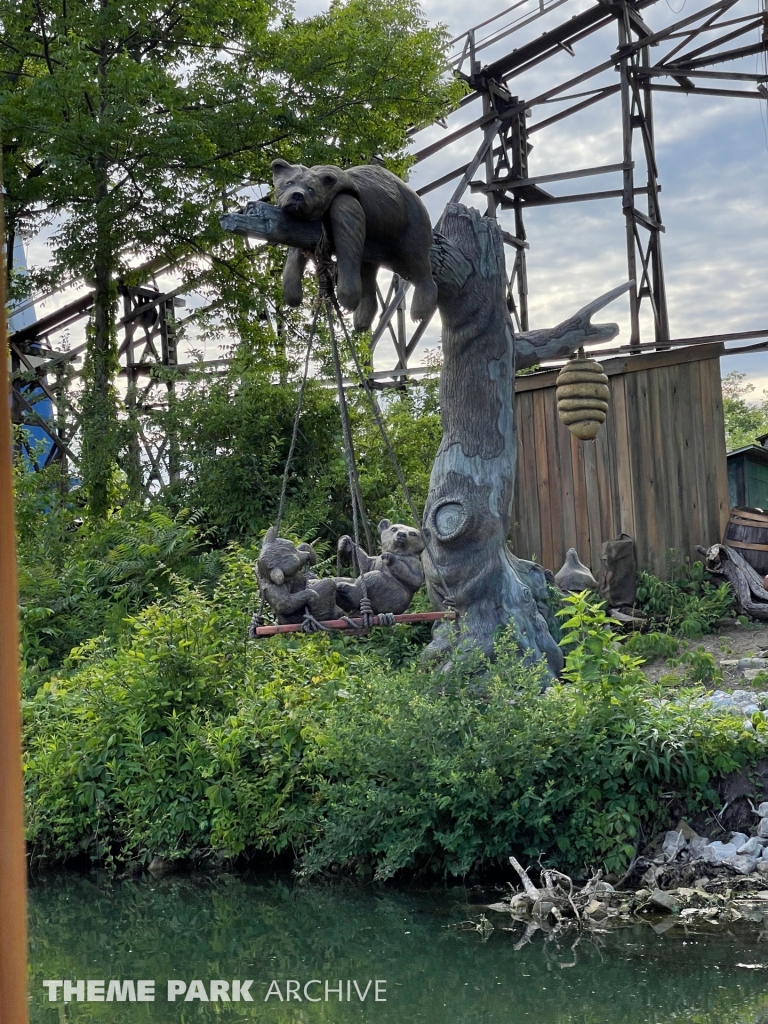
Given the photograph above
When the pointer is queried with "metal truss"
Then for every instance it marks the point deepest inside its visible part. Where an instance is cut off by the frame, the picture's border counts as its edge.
(684, 54)
(693, 56)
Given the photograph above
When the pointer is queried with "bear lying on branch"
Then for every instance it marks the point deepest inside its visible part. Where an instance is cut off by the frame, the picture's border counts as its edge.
(359, 205)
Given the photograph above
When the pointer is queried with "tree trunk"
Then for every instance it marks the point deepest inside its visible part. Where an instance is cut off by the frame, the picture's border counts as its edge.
(467, 516)
(100, 437)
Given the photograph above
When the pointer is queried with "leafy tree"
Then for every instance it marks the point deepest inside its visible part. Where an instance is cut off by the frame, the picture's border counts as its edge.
(128, 126)
(233, 433)
(744, 421)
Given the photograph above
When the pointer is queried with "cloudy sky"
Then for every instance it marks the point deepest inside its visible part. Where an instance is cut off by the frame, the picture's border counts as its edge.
(713, 161)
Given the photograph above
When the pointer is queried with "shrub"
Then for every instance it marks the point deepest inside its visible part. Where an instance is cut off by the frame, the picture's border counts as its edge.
(182, 738)
(652, 645)
(689, 605)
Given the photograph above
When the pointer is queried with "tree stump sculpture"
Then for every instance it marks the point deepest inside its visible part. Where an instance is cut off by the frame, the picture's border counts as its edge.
(467, 563)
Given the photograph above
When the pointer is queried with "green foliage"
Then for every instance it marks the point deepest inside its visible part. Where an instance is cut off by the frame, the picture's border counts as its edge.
(688, 605)
(701, 666)
(652, 645)
(129, 127)
(233, 435)
(79, 578)
(179, 738)
(744, 421)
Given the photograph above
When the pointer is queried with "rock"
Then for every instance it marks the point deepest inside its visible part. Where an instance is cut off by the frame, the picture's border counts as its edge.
(673, 843)
(762, 828)
(595, 908)
(686, 831)
(574, 575)
(762, 867)
(697, 845)
(749, 709)
(718, 853)
(752, 663)
(159, 867)
(662, 899)
(752, 848)
(738, 839)
(742, 865)
(751, 673)
(762, 809)
(743, 696)
(722, 701)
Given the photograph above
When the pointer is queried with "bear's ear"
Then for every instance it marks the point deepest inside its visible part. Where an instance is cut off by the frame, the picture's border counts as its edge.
(280, 168)
(384, 525)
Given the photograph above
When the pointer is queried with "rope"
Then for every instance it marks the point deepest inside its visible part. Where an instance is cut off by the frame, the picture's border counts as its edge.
(297, 417)
(366, 610)
(256, 620)
(378, 416)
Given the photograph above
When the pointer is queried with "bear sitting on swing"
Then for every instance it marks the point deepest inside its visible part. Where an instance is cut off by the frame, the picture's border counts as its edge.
(288, 588)
(391, 578)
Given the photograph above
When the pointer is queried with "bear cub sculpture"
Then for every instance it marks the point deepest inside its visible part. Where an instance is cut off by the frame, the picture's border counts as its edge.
(293, 594)
(360, 205)
(391, 578)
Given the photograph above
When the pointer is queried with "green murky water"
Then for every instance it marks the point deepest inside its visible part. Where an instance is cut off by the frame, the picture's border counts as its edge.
(272, 934)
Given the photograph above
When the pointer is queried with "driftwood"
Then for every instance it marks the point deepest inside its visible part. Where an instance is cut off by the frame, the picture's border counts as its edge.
(751, 595)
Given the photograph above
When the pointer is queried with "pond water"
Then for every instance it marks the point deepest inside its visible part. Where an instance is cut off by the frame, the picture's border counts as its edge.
(271, 933)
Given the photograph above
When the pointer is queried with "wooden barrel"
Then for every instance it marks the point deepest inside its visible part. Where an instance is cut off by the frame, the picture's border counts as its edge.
(747, 533)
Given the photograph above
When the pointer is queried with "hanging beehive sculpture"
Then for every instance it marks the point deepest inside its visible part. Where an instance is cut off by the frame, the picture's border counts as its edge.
(582, 396)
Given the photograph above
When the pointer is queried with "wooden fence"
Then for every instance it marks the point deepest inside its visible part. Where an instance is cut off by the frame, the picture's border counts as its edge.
(657, 469)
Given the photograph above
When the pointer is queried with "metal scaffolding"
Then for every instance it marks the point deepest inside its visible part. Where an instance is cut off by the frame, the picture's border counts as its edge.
(695, 55)
(685, 53)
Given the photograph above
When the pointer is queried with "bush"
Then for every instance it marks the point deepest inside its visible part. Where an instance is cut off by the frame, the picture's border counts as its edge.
(652, 645)
(79, 579)
(689, 604)
(182, 738)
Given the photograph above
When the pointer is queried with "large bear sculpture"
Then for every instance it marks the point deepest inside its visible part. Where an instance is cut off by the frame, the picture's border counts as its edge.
(366, 204)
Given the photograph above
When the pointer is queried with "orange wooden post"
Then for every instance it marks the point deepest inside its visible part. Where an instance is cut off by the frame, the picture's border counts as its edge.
(13, 868)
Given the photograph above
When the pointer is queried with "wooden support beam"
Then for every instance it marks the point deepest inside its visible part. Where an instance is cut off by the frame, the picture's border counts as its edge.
(695, 90)
(578, 198)
(510, 183)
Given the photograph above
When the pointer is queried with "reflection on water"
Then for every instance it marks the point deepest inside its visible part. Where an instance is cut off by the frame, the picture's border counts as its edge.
(232, 929)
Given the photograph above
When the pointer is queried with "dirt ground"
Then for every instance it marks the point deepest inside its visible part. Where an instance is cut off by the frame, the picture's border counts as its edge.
(729, 643)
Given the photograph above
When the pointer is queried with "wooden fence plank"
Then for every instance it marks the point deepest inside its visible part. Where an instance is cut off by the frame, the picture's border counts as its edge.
(578, 450)
(542, 469)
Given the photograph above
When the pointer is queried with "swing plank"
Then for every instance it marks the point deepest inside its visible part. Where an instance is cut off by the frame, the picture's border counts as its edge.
(295, 627)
